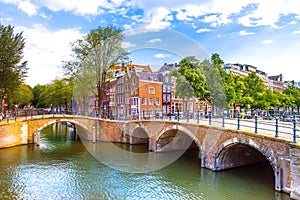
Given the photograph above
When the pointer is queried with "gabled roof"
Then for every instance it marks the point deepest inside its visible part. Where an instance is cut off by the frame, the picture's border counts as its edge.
(145, 68)
(149, 76)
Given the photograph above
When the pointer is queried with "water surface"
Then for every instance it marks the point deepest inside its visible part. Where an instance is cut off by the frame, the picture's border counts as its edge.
(61, 168)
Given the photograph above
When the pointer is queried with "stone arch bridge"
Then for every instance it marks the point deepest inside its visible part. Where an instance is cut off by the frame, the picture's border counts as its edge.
(219, 148)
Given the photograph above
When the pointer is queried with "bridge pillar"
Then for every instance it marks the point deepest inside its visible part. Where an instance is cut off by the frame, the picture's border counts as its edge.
(150, 145)
(213, 163)
(295, 173)
(38, 134)
(278, 179)
(130, 139)
(202, 156)
(94, 136)
(36, 137)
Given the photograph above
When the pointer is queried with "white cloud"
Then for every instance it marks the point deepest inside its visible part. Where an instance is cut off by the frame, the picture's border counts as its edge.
(189, 11)
(216, 20)
(161, 55)
(183, 16)
(127, 45)
(154, 40)
(45, 50)
(203, 30)
(243, 32)
(28, 7)
(218, 12)
(127, 26)
(159, 18)
(43, 15)
(296, 32)
(268, 13)
(77, 6)
(267, 42)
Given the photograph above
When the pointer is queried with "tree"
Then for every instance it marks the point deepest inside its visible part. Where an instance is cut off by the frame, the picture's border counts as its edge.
(94, 55)
(59, 93)
(216, 60)
(215, 85)
(22, 96)
(291, 97)
(183, 88)
(12, 70)
(238, 88)
(190, 68)
(40, 96)
(253, 92)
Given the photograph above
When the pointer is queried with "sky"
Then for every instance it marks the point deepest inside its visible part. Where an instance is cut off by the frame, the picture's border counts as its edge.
(262, 33)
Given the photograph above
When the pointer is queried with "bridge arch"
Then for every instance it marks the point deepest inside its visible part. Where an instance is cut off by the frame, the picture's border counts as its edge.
(83, 134)
(140, 135)
(234, 153)
(234, 148)
(178, 135)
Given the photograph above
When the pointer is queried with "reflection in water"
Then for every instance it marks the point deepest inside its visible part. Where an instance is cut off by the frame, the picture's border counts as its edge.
(63, 169)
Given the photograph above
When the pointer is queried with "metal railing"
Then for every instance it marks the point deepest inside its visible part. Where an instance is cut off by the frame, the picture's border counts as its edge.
(273, 126)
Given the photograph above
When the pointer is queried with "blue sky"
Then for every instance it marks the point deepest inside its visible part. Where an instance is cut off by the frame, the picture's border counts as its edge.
(263, 33)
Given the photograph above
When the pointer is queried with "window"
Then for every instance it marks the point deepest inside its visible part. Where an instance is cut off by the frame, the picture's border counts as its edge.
(151, 101)
(168, 97)
(168, 88)
(144, 101)
(157, 101)
(112, 98)
(144, 112)
(127, 97)
(150, 112)
(151, 90)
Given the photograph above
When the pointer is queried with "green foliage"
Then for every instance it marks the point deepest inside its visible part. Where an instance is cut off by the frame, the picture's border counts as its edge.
(211, 83)
(58, 93)
(290, 97)
(12, 71)
(216, 60)
(93, 56)
(215, 85)
(253, 91)
(39, 96)
(22, 96)
(183, 88)
(190, 68)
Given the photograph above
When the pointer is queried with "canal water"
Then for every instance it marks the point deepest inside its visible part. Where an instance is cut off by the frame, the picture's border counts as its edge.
(61, 168)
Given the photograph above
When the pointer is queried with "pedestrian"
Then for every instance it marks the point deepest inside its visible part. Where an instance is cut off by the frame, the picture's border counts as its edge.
(51, 109)
(7, 115)
(16, 112)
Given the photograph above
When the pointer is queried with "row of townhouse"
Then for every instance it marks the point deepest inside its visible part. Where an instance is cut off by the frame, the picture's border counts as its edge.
(137, 92)
(134, 91)
(271, 82)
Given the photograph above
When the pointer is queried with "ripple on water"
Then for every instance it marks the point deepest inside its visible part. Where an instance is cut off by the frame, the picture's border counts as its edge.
(65, 170)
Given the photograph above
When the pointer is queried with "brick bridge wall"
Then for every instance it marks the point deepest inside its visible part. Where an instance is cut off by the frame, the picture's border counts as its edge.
(218, 148)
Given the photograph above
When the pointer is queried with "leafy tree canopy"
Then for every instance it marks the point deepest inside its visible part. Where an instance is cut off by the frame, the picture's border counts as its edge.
(12, 70)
